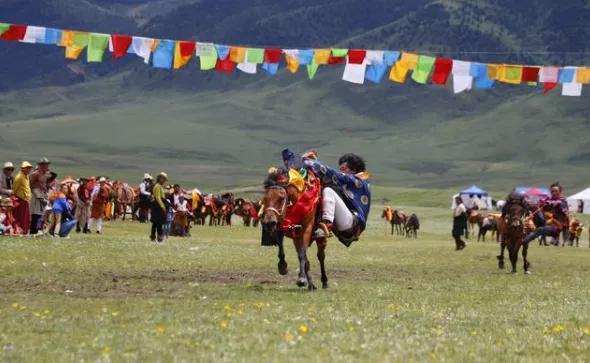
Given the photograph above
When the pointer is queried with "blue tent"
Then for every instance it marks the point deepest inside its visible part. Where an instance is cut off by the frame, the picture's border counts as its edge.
(474, 190)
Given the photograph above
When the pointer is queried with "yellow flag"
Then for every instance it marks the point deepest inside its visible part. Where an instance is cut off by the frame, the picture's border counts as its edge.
(237, 54)
(583, 75)
(322, 56)
(399, 72)
(493, 71)
(292, 63)
(179, 60)
(67, 38)
(73, 52)
(410, 60)
(510, 74)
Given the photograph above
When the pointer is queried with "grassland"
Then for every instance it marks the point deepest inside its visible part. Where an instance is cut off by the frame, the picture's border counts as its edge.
(217, 297)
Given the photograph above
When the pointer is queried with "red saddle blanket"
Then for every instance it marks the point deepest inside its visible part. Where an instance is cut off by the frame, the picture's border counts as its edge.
(306, 204)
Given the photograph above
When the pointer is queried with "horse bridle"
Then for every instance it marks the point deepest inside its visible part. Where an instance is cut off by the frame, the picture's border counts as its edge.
(278, 213)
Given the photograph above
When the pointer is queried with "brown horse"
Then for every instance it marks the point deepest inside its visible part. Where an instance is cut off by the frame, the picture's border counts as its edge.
(123, 196)
(398, 222)
(516, 225)
(281, 200)
(412, 226)
(387, 214)
(248, 211)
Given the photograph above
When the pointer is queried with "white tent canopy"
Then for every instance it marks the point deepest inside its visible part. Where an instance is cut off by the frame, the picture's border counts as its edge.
(580, 202)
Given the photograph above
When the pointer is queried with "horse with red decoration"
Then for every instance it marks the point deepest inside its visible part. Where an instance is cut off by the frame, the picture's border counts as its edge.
(308, 203)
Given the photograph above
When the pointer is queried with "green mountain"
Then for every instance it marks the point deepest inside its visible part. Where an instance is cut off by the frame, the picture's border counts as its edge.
(212, 129)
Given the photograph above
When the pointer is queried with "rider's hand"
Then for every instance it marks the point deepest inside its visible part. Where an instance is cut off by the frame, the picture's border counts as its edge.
(310, 155)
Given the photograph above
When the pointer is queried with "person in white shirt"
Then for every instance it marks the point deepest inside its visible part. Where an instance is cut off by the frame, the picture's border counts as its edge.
(459, 223)
(145, 197)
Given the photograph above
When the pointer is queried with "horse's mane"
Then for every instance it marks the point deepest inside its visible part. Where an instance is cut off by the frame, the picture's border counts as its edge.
(277, 178)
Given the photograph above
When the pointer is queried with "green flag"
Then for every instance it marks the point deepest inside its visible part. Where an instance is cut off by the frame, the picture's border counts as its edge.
(80, 39)
(312, 69)
(255, 55)
(422, 71)
(97, 44)
(4, 27)
(339, 52)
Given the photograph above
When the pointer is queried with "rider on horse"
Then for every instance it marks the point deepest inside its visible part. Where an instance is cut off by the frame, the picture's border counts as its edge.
(557, 216)
(346, 196)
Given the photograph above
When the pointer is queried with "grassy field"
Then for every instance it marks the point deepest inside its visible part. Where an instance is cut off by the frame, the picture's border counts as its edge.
(217, 297)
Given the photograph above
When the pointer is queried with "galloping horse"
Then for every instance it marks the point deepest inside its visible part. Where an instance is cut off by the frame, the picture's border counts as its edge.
(287, 210)
(516, 225)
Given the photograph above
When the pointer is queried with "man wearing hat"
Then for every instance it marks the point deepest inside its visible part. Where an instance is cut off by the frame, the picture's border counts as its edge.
(145, 197)
(100, 199)
(22, 192)
(6, 179)
(83, 206)
(40, 180)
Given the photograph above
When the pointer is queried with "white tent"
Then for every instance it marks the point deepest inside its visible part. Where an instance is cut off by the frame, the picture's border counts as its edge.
(580, 202)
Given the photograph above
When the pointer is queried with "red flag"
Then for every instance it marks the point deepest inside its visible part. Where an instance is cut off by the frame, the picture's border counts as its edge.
(442, 69)
(121, 44)
(336, 60)
(225, 66)
(14, 33)
(272, 55)
(530, 74)
(548, 87)
(356, 56)
(187, 49)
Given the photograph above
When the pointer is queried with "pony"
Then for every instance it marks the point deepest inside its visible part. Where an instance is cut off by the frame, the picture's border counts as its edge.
(294, 212)
(517, 223)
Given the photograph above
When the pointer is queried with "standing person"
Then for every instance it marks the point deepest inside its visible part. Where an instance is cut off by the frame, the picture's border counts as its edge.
(22, 192)
(100, 198)
(159, 208)
(40, 180)
(6, 179)
(145, 197)
(83, 206)
(181, 215)
(459, 223)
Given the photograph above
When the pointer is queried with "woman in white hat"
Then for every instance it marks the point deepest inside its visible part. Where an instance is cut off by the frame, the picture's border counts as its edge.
(159, 208)
(6, 179)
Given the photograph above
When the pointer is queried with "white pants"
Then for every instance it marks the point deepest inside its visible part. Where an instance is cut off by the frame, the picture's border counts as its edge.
(335, 210)
(98, 223)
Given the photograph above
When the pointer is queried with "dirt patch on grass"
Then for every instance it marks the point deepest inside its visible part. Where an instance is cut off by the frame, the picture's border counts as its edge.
(159, 283)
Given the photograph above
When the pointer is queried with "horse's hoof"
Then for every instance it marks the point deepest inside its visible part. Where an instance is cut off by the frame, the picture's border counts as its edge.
(324, 285)
(513, 271)
(283, 268)
(501, 265)
(527, 272)
(311, 287)
(301, 282)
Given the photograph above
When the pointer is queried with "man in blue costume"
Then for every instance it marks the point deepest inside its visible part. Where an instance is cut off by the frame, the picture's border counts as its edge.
(346, 195)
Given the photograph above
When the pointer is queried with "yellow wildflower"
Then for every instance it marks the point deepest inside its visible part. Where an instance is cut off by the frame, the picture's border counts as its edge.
(303, 329)
(288, 337)
(223, 324)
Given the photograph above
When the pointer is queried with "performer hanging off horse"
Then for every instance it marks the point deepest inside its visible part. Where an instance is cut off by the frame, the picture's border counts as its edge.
(310, 201)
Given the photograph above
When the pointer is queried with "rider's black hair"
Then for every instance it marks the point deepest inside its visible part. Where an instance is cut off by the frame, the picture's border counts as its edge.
(556, 184)
(354, 162)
